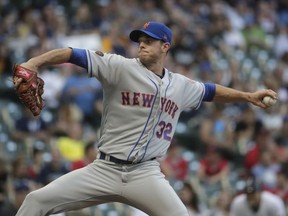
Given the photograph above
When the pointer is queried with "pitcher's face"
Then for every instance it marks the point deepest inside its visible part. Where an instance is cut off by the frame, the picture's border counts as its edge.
(150, 50)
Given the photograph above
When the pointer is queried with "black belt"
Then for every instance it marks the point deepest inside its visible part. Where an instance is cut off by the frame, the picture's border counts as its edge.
(103, 156)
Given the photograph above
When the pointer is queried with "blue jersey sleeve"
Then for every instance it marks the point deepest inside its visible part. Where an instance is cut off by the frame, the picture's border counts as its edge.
(79, 57)
(210, 90)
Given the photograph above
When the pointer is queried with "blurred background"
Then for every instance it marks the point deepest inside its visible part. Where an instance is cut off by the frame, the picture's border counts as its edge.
(242, 44)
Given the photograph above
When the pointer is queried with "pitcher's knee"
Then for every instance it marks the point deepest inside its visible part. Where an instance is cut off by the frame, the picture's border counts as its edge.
(34, 197)
(34, 204)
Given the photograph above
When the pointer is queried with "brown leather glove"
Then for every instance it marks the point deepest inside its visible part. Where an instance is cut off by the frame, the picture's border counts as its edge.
(29, 88)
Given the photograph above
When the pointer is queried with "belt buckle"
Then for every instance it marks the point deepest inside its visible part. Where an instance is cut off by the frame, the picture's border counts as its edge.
(107, 157)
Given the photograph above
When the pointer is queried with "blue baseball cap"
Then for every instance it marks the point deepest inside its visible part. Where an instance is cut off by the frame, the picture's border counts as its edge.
(153, 29)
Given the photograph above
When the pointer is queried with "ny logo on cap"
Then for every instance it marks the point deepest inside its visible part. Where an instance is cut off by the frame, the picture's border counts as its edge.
(146, 25)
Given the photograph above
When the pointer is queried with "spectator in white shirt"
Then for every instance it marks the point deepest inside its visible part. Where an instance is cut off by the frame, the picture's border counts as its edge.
(254, 202)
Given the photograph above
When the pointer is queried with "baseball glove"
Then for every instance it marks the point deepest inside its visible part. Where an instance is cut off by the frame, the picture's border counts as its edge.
(29, 88)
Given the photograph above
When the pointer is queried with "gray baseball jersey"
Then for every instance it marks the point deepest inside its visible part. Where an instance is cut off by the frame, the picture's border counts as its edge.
(140, 114)
(141, 110)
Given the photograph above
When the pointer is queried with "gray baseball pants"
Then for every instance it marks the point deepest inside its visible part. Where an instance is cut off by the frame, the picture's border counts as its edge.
(140, 185)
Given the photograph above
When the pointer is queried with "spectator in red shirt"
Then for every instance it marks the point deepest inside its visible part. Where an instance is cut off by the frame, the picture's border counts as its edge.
(90, 155)
(263, 141)
(36, 163)
(213, 167)
(174, 166)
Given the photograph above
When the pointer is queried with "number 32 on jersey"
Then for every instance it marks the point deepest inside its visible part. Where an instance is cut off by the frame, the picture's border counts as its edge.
(164, 130)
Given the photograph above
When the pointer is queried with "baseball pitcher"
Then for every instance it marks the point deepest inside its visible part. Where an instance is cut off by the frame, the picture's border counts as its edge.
(142, 103)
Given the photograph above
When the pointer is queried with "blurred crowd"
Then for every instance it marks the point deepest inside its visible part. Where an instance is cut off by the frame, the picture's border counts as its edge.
(241, 44)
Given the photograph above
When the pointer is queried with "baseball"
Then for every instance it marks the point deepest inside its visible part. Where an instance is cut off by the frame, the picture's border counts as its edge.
(269, 101)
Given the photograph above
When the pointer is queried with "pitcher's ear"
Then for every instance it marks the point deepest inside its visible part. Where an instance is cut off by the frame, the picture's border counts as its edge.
(166, 46)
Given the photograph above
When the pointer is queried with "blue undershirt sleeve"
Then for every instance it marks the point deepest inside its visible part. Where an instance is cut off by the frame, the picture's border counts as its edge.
(79, 57)
(210, 90)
